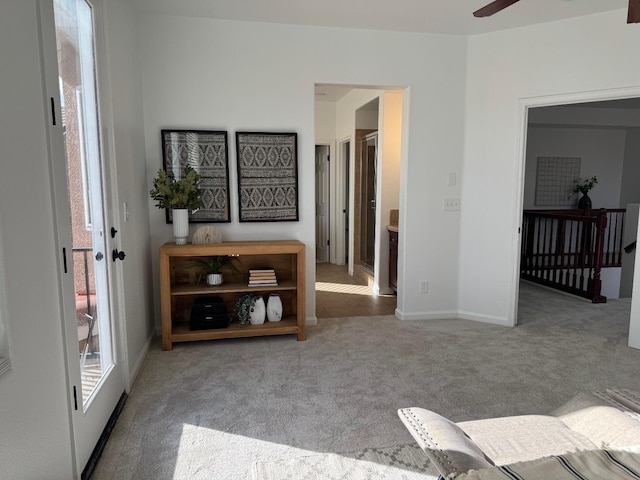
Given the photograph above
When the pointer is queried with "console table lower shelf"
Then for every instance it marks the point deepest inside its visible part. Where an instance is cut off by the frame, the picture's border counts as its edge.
(181, 333)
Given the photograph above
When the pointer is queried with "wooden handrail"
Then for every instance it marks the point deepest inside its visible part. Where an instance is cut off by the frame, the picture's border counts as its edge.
(567, 249)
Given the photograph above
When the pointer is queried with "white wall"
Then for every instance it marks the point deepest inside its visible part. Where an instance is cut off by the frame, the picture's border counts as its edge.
(35, 437)
(579, 114)
(628, 261)
(388, 177)
(630, 193)
(367, 117)
(325, 121)
(602, 152)
(506, 70)
(634, 325)
(346, 112)
(211, 74)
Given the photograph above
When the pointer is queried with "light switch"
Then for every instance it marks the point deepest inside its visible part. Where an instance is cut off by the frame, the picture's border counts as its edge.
(451, 204)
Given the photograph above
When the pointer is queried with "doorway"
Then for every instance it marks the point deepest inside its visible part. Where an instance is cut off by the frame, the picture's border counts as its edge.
(585, 130)
(343, 186)
(368, 200)
(345, 118)
(95, 376)
(322, 203)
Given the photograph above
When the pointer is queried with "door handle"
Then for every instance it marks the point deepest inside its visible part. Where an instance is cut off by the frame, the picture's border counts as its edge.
(115, 255)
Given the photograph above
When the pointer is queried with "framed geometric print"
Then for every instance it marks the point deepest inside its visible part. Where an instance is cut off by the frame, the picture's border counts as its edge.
(267, 176)
(207, 153)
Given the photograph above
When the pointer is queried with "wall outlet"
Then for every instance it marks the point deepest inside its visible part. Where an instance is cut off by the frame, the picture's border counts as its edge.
(424, 286)
(451, 204)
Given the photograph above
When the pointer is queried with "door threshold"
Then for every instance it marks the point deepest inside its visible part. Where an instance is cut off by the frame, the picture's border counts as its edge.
(102, 441)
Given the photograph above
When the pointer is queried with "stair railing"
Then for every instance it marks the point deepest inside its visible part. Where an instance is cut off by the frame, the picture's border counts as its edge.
(567, 249)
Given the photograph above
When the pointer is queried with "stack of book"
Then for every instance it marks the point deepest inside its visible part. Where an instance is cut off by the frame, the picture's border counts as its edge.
(262, 277)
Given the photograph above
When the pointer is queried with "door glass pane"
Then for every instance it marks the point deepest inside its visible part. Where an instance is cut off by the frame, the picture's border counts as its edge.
(76, 67)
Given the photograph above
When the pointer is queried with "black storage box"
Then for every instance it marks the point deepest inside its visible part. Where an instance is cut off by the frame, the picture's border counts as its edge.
(208, 313)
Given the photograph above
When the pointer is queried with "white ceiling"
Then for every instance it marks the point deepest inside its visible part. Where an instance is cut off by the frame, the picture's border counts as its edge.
(430, 16)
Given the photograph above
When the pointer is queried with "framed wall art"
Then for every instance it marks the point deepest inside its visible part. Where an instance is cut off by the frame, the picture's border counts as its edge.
(556, 180)
(267, 176)
(207, 153)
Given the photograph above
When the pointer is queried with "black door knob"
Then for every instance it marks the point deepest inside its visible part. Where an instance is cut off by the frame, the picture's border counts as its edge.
(117, 255)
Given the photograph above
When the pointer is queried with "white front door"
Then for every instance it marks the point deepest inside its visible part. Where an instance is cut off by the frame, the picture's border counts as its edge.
(96, 380)
(322, 203)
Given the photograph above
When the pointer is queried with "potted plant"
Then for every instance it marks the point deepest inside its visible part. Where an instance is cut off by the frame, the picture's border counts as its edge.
(179, 195)
(212, 267)
(250, 308)
(584, 186)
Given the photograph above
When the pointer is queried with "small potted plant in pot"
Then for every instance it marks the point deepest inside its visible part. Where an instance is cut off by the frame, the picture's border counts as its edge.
(180, 196)
(212, 267)
(584, 187)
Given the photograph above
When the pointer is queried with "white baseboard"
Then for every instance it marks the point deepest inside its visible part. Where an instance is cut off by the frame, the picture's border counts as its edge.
(133, 372)
(310, 321)
(477, 317)
(453, 314)
(441, 315)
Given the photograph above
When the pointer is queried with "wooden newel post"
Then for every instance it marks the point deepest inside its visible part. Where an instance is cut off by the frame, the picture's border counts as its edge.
(595, 284)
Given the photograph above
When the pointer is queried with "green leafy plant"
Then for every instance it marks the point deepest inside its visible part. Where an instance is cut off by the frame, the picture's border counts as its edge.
(172, 193)
(584, 186)
(216, 264)
(243, 308)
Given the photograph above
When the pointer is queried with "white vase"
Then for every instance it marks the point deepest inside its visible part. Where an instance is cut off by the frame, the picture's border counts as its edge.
(259, 311)
(274, 308)
(180, 225)
(214, 279)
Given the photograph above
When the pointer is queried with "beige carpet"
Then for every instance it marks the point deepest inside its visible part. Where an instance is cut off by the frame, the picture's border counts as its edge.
(211, 410)
(401, 462)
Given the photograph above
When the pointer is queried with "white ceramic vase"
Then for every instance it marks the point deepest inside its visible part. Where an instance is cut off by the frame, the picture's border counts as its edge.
(274, 308)
(214, 279)
(180, 225)
(259, 312)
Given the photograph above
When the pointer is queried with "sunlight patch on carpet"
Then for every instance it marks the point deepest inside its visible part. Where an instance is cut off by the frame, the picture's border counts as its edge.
(343, 288)
(398, 462)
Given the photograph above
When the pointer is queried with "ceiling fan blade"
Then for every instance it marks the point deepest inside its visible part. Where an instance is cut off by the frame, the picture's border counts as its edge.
(497, 5)
(634, 11)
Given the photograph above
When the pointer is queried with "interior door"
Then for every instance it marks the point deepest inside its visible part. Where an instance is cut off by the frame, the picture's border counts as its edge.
(322, 203)
(96, 380)
(368, 200)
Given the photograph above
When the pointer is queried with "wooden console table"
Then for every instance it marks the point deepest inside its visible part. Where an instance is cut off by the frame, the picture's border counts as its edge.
(178, 288)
